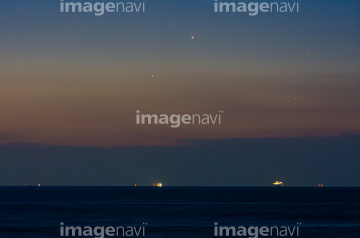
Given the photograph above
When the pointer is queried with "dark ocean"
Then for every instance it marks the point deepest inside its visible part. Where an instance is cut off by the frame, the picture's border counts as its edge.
(179, 211)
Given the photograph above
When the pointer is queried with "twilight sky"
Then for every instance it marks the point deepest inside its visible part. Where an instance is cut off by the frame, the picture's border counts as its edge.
(77, 79)
(70, 84)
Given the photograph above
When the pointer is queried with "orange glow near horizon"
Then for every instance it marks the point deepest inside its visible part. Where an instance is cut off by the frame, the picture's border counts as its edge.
(87, 114)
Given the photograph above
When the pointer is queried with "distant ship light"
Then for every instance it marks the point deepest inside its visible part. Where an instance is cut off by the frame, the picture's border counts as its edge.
(278, 183)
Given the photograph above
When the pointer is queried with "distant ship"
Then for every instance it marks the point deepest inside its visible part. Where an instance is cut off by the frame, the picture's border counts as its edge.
(159, 185)
(278, 184)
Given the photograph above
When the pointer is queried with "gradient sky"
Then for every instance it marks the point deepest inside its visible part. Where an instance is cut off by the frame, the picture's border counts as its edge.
(77, 79)
(70, 85)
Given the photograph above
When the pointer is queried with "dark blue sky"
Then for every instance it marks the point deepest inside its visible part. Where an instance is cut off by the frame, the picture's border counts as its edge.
(234, 162)
(73, 81)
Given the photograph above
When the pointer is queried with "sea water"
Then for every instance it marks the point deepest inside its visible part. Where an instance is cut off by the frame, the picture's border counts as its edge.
(179, 211)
